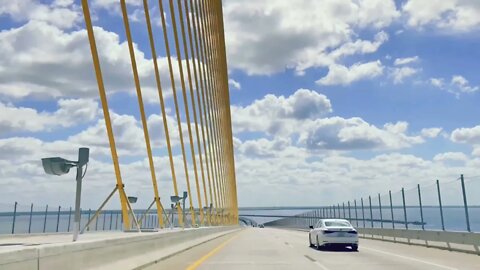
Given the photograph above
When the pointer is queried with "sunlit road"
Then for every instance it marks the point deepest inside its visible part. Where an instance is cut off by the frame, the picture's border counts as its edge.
(257, 248)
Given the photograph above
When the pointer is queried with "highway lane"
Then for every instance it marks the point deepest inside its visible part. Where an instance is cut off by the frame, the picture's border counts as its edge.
(267, 248)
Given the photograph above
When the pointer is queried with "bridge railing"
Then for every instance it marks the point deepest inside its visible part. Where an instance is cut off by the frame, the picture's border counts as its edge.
(450, 206)
(447, 213)
(17, 218)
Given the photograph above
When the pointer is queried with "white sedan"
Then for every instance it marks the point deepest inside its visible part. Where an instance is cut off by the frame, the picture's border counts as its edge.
(333, 232)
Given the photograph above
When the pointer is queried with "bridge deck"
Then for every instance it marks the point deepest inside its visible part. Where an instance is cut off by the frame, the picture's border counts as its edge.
(267, 248)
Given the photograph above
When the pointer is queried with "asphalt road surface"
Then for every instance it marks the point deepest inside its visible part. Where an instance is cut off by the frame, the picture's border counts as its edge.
(256, 248)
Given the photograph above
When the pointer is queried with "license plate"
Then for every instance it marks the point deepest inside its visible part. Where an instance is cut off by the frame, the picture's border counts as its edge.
(341, 234)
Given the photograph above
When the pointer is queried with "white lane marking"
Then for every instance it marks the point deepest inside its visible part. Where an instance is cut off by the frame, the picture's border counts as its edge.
(321, 265)
(316, 262)
(411, 259)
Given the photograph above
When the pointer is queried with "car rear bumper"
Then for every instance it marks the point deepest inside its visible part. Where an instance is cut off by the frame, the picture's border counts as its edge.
(338, 240)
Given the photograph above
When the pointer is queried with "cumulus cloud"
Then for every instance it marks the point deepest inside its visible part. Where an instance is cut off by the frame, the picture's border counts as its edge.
(341, 75)
(303, 116)
(430, 132)
(399, 74)
(462, 84)
(70, 112)
(450, 156)
(62, 14)
(265, 37)
(338, 133)
(47, 62)
(234, 84)
(466, 135)
(272, 114)
(458, 85)
(448, 15)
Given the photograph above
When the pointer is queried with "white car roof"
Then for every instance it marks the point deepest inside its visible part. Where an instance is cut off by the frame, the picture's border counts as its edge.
(335, 219)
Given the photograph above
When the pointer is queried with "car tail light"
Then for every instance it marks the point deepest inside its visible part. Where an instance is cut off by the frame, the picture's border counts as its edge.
(327, 232)
(353, 232)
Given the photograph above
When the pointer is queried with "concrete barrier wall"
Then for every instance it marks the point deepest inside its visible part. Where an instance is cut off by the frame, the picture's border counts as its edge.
(126, 252)
(458, 241)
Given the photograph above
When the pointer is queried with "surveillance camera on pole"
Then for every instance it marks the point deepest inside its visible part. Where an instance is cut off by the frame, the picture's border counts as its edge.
(60, 166)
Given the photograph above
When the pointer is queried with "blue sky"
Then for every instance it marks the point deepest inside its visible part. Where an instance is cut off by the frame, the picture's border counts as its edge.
(324, 94)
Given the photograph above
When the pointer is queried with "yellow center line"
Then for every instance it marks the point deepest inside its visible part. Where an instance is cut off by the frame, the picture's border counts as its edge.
(214, 251)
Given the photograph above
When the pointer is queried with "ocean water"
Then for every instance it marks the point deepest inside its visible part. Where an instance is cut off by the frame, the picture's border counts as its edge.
(454, 218)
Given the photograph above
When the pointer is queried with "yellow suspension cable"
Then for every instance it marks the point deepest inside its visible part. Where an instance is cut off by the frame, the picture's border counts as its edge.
(189, 76)
(142, 111)
(106, 113)
(160, 94)
(177, 112)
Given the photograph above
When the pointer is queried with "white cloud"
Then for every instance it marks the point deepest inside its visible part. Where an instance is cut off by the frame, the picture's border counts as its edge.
(47, 62)
(292, 171)
(462, 84)
(280, 41)
(437, 82)
(337, 133)
(405, 61)
(448, 15)
(300, 117)
(341, 75)
(234, 84)
(450, 156)
(272, 114)
(466, 135)
(430, 132)
(62, 14)
(70, 112)
(399, 74)
(458, 85)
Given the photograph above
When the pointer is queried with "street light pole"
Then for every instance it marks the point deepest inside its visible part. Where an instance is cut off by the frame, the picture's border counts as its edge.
(78, 194)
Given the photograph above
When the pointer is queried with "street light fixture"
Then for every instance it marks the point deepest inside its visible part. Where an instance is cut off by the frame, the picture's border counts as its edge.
(176, 200)
(60, 166)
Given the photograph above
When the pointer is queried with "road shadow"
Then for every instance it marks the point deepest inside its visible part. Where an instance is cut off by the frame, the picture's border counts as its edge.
(335, 249)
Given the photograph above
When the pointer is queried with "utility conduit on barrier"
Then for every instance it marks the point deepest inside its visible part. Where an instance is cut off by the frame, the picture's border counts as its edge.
(127, 251)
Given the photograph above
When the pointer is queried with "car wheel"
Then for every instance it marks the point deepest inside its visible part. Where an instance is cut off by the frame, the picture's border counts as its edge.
(354, 247)
(318, 245)
(310, 240)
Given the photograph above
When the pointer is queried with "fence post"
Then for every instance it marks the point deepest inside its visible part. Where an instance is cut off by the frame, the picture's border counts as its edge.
(111, 219)
(96, 222)
(363, 214)
(14, 217)
(404, 208)
(440, 205)
(421, 206)
(116, 221)
(356, 214)
(334, 214)
(58, 217)
(349, 212)
(380, 209)
(465, 204)
(371, 212)
(104, 216)
(30, 219)
(69, 218)
(45, 219)
(343, 206)
(391, 209)
(89, 213)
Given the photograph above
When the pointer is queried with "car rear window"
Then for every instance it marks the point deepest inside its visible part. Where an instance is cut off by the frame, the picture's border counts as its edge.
(337, 224)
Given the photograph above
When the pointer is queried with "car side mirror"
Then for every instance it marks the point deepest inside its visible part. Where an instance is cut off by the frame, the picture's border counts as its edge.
(311, 227)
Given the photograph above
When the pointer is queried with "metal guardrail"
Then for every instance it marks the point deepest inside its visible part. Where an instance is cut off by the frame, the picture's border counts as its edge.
(26, 219)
